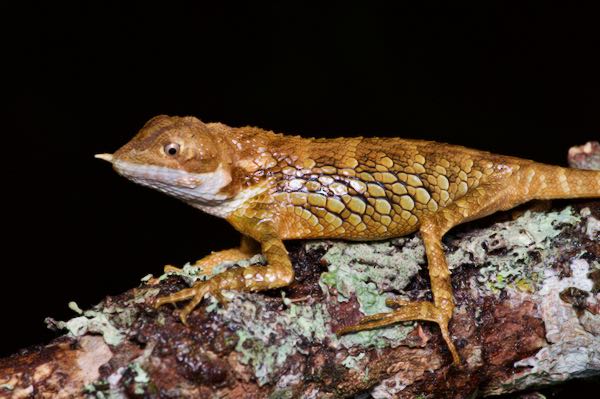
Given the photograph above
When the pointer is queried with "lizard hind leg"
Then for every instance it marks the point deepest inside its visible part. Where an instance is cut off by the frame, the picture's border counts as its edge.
(439, 311)
(477, 203)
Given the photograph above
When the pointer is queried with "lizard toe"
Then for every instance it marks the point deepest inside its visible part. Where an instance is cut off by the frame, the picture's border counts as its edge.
(396, 302)
(408, 311)
(195, 294)
(178, 296)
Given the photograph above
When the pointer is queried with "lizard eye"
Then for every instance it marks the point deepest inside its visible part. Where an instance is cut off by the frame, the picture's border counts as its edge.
(172, 149)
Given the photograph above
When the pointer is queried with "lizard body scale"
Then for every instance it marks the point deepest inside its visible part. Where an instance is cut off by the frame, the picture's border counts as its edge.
(272, 187)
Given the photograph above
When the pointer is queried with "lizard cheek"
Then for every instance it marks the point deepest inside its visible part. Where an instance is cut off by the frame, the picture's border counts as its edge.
(213, 182)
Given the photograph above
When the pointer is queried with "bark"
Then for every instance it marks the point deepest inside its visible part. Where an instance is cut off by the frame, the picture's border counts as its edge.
(526, 286)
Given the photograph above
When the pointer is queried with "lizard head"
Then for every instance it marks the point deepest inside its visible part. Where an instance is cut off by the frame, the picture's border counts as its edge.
(180, 156)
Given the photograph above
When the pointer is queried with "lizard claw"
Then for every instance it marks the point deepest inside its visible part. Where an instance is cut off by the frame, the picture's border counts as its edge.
(183, 317)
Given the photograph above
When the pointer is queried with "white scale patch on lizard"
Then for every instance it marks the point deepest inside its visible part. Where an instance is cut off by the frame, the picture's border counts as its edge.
(200, 190)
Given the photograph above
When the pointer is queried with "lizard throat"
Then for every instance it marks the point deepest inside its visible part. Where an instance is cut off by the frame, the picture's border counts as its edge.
(201, 190)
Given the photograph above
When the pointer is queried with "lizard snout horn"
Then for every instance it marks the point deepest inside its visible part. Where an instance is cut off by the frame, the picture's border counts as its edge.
(106, 157)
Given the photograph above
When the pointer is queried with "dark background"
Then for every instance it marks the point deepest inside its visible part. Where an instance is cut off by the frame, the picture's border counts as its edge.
(84, 77)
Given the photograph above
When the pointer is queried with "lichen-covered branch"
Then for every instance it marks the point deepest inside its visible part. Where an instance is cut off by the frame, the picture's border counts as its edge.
(526, 287)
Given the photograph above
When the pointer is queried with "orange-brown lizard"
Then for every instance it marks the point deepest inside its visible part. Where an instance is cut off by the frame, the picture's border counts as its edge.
(273, 187)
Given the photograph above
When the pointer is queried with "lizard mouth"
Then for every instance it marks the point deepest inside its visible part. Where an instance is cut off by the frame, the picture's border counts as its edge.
(152, 175)
(192, 187)
(149, 175)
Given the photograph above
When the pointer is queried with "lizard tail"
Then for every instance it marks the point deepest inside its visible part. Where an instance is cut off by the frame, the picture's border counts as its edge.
(551, 182)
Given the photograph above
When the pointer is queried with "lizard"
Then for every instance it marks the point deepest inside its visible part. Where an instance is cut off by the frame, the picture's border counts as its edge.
(273, 187)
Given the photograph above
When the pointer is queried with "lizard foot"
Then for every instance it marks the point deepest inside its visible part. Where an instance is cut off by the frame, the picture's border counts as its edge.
(195, 294)
(251, 278)
(408, 311)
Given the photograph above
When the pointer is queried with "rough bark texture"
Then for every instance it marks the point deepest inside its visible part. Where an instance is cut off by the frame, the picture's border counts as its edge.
(526, 285)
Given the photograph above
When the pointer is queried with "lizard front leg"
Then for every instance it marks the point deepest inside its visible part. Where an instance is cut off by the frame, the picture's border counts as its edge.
(248, 247)
(277, 273)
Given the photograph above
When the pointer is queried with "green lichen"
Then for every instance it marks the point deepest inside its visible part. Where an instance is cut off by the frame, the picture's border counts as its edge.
(98, 390)
(142, 296)
(264, 358)
(140, 378)
(267, 338)
(109, 321)
(352, 362)
(311, 322)
(592, 227)
(513, 254)
(212, 305)
(365, 377)
(286, 301)
(367, 271)
(93, 322)
(74, 307)
(379, 338)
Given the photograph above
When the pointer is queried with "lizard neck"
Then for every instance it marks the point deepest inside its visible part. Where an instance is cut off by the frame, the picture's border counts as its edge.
(225, 207)
(255, 155)
(257, 150)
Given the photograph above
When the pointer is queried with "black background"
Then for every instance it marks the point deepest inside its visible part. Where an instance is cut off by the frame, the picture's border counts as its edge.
(82, 78)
